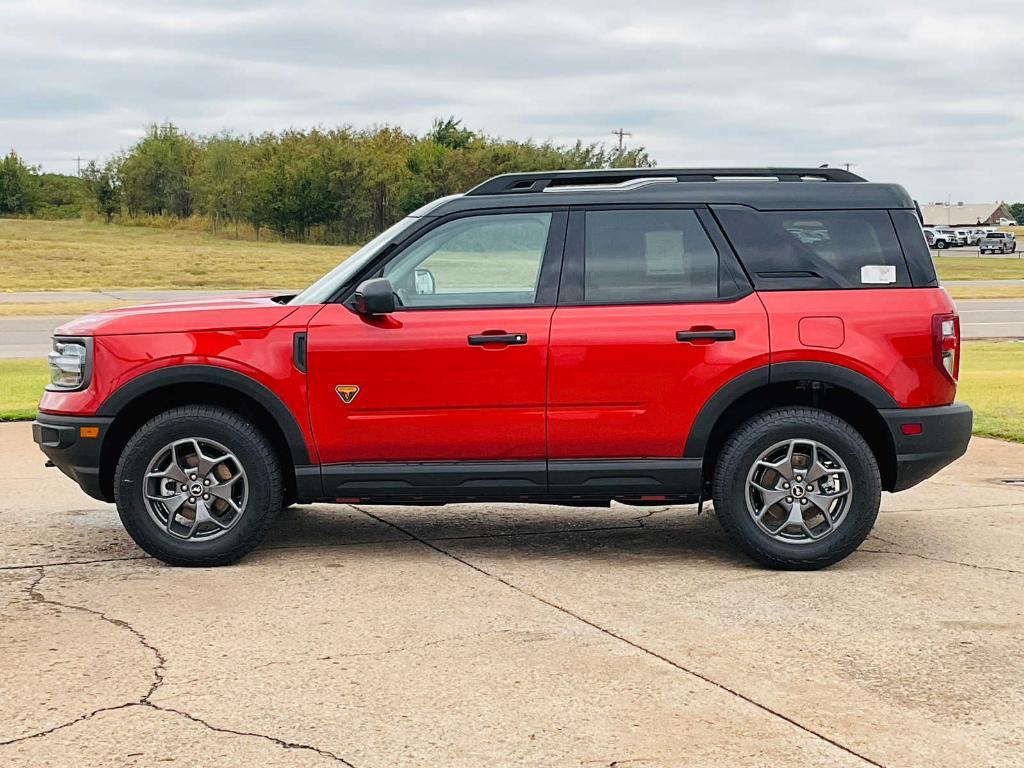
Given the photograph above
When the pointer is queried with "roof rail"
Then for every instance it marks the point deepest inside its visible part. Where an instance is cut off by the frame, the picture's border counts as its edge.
(516, 183)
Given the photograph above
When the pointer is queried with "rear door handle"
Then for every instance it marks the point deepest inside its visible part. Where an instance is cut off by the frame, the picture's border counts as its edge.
(499, 337)
(724, 334)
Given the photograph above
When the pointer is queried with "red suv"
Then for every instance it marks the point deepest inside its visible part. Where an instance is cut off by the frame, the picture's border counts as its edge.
(773, 340)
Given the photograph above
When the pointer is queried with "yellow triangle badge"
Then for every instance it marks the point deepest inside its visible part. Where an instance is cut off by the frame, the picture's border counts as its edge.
(347, 392)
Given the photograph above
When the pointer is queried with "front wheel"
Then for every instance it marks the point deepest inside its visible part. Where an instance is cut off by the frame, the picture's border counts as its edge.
(797, 488)
(197, 486)
(940, 244)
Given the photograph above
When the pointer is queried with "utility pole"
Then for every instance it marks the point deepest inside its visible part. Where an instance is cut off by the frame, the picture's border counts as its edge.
(848, 166)
(621, 133)
(79, 161)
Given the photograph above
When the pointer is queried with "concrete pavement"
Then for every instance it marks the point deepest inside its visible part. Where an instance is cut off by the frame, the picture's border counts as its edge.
(514, 635)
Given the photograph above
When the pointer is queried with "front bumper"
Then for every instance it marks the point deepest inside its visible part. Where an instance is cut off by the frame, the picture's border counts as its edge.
(944, 434)
(59, 437)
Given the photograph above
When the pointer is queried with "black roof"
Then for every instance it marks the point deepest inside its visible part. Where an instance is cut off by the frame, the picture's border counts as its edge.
(761, 188)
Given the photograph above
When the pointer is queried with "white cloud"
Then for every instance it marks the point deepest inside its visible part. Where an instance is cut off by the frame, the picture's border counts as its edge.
(924, 93)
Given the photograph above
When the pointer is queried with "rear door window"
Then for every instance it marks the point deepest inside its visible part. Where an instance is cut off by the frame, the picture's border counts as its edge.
(801, 250)
(637, 255)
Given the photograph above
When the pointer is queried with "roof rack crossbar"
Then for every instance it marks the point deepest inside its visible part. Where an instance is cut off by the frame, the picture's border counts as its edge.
(518, 183)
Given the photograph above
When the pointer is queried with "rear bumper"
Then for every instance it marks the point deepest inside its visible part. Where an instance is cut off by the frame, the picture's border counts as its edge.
(77, 457)
(945, 432)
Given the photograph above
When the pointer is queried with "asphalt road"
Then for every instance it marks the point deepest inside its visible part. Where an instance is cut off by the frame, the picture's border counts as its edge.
(991, 318)
(513, 635)
(980, 318)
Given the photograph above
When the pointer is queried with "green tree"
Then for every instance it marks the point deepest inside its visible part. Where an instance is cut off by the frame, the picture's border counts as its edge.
(450, 133)
(338, 185)
(18, 193)
(104, 187)
(220, 184)
(1017, 211)
(293, 193)
(157, 173)
(59, 196)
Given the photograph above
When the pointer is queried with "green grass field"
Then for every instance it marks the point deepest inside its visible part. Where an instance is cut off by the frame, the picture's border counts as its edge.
(83, 256)
(21, 384)
(975, 268)
(990, 381)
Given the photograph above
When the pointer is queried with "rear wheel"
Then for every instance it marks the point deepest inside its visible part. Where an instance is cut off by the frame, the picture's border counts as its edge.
(797, 488)
(198, 486)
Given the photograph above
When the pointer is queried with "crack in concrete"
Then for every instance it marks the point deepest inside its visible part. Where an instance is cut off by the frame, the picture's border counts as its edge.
(284, 744)
(252, 734)
(632, 643)
(919, 556)
(161, 661)
(34, 594)
(73, 562)
(69, 723)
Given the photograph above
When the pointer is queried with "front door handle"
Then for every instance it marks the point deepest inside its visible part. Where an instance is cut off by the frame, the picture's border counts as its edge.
(710, 335)
(496, 337)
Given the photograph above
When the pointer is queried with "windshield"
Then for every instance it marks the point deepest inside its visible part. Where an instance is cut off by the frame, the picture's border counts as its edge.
(326, 286)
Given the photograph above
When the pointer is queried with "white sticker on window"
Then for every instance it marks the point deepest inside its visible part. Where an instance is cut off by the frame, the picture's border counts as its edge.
(664, 252)
(877, 274)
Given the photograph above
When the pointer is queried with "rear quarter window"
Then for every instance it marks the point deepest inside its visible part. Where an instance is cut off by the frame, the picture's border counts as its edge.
(816, 250)
(915, 248)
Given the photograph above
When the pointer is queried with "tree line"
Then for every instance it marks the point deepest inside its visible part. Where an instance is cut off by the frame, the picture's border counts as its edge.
(338, 185)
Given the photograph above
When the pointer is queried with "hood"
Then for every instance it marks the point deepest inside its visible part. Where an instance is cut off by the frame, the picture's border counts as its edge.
(207, 314)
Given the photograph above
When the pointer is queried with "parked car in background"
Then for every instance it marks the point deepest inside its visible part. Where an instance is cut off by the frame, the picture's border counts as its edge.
(940, 238)
(998, 242)
(974, 235)
(953, 238)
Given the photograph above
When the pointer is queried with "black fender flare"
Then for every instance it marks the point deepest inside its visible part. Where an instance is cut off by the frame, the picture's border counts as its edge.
(223, 377)
(828, 373)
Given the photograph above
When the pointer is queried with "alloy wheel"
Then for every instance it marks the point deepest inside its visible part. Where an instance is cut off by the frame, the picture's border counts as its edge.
(798, 491)
(195, 489)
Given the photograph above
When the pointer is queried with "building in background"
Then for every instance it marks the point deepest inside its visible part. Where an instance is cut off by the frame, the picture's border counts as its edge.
(967, 214)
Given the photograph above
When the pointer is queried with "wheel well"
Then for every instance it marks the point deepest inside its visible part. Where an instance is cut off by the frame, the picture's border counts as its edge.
(155, 401)
(842, 402)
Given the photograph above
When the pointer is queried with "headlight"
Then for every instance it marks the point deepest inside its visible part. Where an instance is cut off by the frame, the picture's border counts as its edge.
(70, 363)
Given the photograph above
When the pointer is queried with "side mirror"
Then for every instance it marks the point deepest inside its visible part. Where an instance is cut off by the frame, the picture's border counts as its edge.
(374, 297)
(425, 284)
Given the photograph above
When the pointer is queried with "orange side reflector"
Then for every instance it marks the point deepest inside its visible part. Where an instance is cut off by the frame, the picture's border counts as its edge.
(89, 432)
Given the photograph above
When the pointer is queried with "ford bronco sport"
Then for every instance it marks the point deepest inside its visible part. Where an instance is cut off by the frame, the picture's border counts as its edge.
(772, 340)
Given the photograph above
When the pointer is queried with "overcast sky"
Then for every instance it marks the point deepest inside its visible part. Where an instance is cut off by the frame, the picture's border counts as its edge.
(929, 94)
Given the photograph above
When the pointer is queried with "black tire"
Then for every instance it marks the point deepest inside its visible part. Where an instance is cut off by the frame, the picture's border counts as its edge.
(244, 440)
(940, 244)
(757, 435)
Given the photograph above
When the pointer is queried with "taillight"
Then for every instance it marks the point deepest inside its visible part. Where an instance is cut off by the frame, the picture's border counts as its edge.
(946, 344)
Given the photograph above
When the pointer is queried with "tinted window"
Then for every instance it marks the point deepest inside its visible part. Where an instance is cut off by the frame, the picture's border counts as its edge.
(648, 256)
(476, 261)
(915, 247)
(800, 250)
